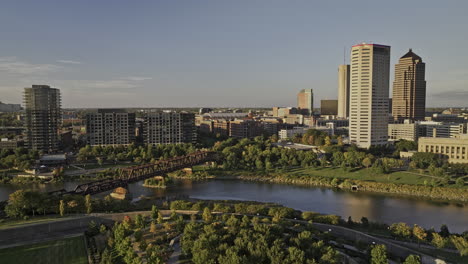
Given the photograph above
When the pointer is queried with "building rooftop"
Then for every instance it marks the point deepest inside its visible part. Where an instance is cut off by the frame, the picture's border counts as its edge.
(411, 54)
(54, 157)
(370, 44)
(225, 115)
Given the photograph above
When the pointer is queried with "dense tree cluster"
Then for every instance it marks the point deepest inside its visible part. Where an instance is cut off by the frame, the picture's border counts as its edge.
(406, 145)
(23, 203)
(20, 158)
(259, 154)
(313, 137)
(133, 153)
(10, 120)
(248, 240)
(440, 240)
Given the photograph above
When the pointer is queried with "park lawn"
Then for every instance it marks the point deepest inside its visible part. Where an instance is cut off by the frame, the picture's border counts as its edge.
(33, 220)
(362, 174)
(63, 251)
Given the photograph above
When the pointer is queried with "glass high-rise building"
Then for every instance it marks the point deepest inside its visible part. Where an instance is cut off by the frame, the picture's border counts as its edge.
(409, 88)
(370, 72)
(43, 116)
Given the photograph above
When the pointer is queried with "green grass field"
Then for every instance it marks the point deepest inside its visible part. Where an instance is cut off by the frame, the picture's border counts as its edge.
(402, 177)
(64, 251)
(10, 223)
(363, 174)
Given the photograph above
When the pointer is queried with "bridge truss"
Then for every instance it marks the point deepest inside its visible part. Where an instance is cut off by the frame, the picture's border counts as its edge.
(142, 172)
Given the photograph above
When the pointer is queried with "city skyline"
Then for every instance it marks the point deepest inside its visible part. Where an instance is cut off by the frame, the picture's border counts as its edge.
(240, 52)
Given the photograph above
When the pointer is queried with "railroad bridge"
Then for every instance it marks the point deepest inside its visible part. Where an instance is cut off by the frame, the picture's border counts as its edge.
(142, 172)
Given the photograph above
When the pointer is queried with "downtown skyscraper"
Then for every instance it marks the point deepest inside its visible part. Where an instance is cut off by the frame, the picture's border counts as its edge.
(305, 101)
(343, 91)
(370, 76)
(409, 88)
(43, 117)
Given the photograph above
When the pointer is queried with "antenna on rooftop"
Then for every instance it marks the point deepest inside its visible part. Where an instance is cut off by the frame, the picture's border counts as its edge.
(344, 55)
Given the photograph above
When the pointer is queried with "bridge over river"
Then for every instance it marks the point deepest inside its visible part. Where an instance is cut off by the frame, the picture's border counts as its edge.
(141, 172)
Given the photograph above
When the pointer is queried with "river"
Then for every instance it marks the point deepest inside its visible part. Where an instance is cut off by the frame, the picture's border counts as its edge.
(376, 207)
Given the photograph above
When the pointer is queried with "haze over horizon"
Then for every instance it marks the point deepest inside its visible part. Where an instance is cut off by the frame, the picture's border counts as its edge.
(219, 53)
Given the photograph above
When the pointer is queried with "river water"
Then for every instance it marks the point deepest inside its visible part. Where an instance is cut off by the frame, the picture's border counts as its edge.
(376, 207)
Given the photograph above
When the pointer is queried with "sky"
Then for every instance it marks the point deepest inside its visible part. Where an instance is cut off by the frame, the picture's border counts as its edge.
(220, 53)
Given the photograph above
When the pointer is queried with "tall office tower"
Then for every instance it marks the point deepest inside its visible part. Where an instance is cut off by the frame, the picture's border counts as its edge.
(409, 88)
(370, 72)
(169, 128)
(343, 91)
(111, 127)
(43, 117)
(305, 100)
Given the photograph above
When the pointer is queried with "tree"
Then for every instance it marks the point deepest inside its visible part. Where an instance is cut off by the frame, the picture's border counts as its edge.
(143, 245)
(106, 257)
(340, 141)
(295, 255)
(461, 244)
(400, 230)
(379, 254)
(365, 222)
(422, 160)
(413, 259)
(444, 231)
(88, 204)
(153, 228)
(160, 219)
(17, 204)
(207, 217)
(366, 162)
(419, 233)
(337, 158)
(193, 218)
(154, 212)
(173, 215)
(62, 208)
(139, 221)
(460, 182)
(438, 240)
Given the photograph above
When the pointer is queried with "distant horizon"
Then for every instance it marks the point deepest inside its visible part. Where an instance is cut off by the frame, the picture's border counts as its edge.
(198, 107)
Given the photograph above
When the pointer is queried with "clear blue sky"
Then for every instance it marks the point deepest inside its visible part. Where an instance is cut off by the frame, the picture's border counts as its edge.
(219, 53)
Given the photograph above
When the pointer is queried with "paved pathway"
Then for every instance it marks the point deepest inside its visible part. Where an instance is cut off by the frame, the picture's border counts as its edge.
(174, 258)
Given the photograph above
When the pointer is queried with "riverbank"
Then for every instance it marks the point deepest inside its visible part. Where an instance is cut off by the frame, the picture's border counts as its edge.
(310, 178)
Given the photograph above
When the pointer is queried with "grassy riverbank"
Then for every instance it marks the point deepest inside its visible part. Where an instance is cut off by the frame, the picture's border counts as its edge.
(399, 183)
